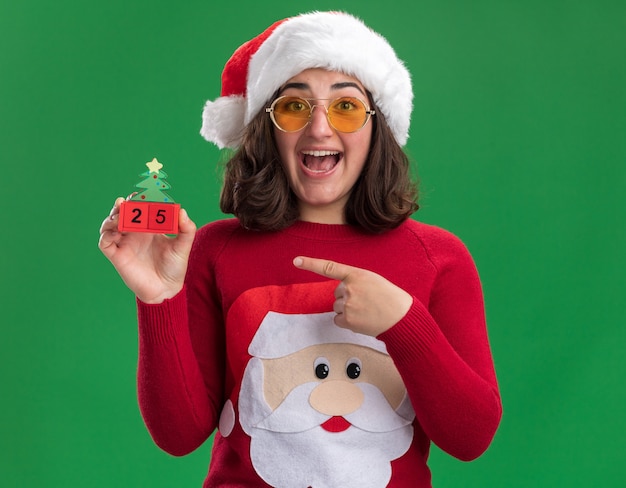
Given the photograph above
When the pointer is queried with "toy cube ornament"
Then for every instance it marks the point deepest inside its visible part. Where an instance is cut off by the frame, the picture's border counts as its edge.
(150, 210)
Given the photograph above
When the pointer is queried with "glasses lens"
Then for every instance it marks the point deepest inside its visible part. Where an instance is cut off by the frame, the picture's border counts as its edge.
(347, 114)
(291, 113)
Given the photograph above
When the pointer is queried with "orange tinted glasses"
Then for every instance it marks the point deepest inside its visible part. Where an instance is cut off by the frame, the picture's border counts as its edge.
(345, 114)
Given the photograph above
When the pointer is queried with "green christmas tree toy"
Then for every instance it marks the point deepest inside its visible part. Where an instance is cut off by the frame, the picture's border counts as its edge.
(150, 210)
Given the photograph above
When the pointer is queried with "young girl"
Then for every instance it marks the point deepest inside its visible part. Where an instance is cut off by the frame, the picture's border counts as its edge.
(328, 337)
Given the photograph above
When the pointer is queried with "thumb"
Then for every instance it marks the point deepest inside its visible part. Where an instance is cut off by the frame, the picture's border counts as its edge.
(186, 229)
(324, 267)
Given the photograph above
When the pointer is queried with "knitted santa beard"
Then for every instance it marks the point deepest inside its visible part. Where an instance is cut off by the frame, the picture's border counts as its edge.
(335, 41)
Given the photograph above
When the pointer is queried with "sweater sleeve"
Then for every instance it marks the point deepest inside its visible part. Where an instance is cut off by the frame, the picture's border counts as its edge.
(181, 362)
(442, 352)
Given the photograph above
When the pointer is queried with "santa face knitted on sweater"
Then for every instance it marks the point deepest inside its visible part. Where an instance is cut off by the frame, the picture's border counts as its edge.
(336, 395)
(322, 405)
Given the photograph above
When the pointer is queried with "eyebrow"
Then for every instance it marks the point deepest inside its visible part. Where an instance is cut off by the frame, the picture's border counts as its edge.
(335, 86)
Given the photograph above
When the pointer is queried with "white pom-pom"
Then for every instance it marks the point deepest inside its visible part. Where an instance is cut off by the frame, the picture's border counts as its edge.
(223, 121)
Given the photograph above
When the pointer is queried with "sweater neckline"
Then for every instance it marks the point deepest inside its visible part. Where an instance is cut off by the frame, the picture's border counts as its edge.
(325, 232)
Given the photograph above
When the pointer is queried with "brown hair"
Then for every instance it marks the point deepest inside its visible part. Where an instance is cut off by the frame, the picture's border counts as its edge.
(256, 189)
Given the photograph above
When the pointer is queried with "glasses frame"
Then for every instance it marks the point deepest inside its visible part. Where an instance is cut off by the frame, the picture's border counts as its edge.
(270, 110)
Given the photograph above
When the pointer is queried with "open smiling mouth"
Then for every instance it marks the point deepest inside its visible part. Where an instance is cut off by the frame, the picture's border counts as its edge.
(320, 161)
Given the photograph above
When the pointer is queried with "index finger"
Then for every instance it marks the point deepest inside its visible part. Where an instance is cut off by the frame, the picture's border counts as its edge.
(323, 267)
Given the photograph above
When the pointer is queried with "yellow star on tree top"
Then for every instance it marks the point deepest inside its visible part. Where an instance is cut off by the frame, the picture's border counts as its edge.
(154, 166)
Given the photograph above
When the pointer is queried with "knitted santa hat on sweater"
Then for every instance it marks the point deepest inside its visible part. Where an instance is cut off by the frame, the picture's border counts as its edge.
(335, 41)
(299, 331)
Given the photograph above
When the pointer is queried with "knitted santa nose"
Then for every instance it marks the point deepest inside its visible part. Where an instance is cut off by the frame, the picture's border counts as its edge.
(335, 41)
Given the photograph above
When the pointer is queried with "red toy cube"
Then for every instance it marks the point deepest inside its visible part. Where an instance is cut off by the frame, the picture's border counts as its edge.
(154, 217)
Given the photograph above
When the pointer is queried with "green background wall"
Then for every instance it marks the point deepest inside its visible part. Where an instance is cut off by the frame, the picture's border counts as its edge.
(519, 136)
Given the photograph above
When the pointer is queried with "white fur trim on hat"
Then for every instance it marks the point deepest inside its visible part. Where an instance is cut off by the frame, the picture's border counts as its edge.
(223, 121)
(335, 41)
(298, 331)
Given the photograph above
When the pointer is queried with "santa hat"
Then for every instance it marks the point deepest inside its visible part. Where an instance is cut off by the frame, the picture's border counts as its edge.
(299, 331)
(335, 41)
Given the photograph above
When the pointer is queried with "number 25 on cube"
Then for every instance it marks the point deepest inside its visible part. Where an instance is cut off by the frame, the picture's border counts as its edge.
(150, 210)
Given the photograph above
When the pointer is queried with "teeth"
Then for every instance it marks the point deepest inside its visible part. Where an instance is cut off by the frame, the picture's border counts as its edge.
(320, 154)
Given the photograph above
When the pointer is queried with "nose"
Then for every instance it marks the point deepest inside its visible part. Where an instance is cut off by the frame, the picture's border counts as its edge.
(336, 398)
(319, 125)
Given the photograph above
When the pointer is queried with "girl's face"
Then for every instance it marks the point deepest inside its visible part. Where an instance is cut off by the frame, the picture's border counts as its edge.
(321, 163)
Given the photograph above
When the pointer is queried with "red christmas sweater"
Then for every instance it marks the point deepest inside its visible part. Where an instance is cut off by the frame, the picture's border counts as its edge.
(249, 347)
